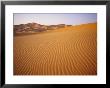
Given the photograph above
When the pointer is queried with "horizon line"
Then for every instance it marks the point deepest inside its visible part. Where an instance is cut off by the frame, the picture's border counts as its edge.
(57, 24)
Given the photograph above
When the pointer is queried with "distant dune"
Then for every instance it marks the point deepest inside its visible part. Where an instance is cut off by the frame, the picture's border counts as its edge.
(68, 51)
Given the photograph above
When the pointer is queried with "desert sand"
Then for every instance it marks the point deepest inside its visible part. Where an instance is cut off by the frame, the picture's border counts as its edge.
(67, 51)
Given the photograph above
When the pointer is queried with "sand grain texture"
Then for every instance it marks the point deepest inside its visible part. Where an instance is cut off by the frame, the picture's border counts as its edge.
(68, 51)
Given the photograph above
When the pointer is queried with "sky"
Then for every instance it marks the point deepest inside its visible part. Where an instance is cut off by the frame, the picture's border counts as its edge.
(55, 18)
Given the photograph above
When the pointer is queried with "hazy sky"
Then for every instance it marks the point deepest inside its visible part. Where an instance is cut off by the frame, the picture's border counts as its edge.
(55, 18)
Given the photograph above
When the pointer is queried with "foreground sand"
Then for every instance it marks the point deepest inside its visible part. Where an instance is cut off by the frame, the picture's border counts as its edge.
(68, 51)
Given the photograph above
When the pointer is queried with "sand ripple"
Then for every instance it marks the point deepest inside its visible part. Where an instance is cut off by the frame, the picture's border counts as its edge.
(68, 52)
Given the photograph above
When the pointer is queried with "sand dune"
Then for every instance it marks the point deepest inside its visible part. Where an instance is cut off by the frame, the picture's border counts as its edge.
(69, 51)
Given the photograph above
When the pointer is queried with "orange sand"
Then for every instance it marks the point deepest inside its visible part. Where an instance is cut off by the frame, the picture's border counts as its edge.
(68, 51)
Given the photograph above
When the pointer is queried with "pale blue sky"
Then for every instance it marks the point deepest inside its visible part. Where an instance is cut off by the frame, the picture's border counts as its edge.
(55, 18)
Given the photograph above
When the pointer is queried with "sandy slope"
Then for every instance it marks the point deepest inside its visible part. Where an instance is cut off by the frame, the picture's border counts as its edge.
(69, 51)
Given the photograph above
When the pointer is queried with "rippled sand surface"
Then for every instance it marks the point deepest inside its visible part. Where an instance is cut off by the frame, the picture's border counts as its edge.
(68, 51)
